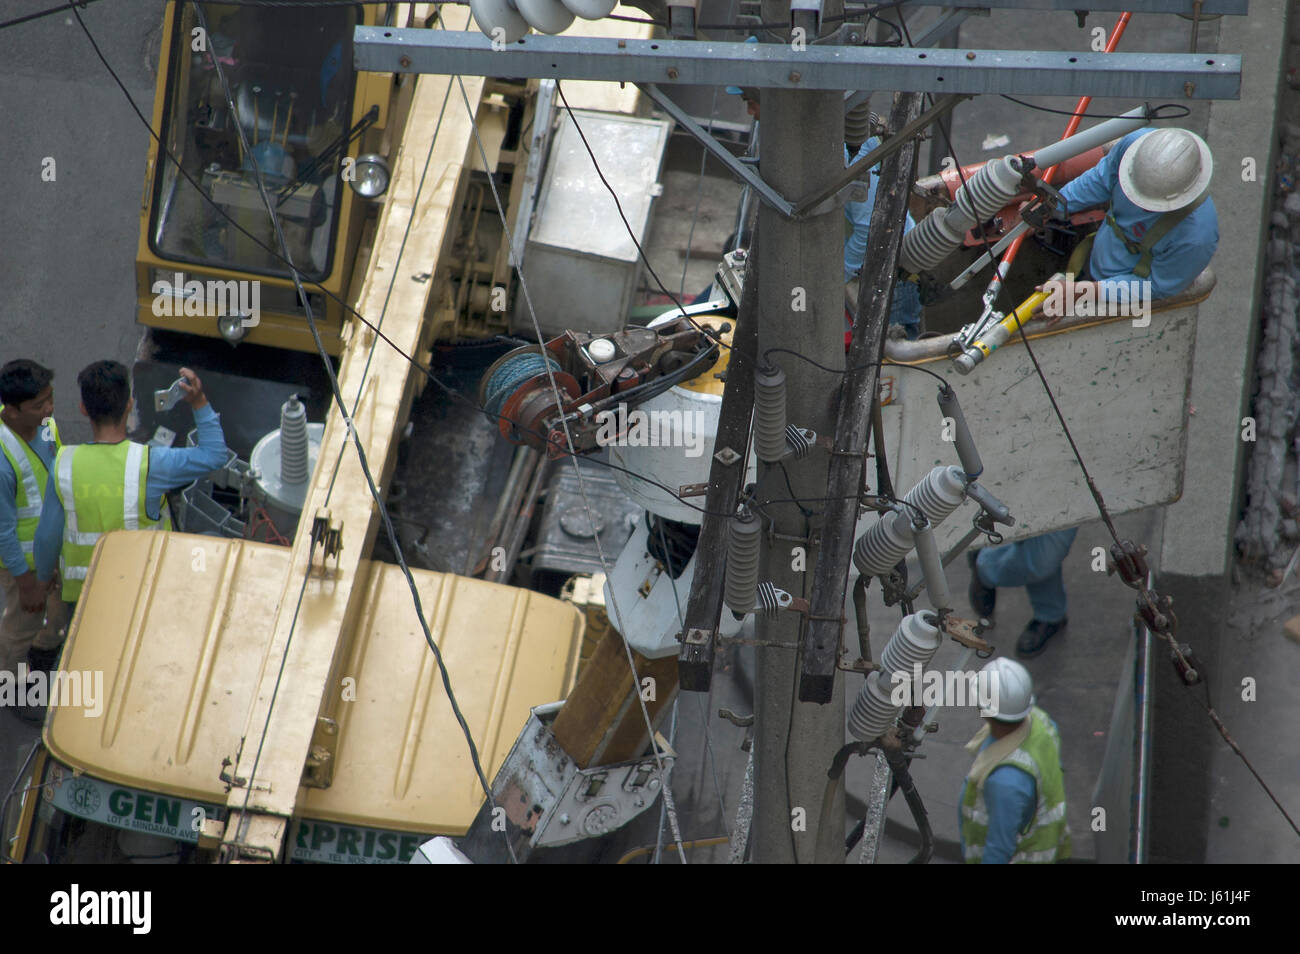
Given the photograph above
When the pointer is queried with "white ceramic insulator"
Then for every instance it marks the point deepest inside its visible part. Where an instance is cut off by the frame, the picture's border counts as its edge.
(939, 494)
(591, 9)
(293, 442)
(880, 548)
(942, 231)
(499, 20)
(934, 239)
(546, 16)
(872, 712)
(891, 538)
(995, 184)
(916, 640)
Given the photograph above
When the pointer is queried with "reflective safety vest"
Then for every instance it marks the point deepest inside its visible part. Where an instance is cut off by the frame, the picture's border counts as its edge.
(30, 479)
(102, 488)
(1047, 838)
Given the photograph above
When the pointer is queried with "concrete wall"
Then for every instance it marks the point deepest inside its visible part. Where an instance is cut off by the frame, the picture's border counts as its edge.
(1199, 527)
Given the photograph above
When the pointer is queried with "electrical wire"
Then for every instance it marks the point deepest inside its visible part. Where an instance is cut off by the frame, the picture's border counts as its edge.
(797, 502)
(1154, 115)
(582, 484)
(617, 204)
(1144, 593)
(861, 367)
(50, 11)
(361, 455)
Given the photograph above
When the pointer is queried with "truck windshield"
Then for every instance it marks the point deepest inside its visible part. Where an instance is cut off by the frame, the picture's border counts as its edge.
(290, 75)
(83, 820)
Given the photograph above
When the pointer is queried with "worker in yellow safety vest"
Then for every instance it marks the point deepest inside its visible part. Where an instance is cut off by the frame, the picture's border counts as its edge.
(114, 483)
(1013, 803)
(35, 619)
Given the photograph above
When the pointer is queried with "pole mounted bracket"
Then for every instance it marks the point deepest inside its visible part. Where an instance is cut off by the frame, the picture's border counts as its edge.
(682, 15)
(968, 633)
(169, 398)
(806, 15)
(328, 535)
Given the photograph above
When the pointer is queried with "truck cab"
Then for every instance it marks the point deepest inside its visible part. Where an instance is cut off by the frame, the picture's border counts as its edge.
(320, 134)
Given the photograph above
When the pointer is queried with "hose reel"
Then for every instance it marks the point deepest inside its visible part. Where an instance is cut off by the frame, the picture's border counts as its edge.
(516, 393)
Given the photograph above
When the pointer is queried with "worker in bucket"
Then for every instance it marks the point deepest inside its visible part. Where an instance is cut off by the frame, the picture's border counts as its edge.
(905, 309)
(114, 483)
(35, 619)
(1013, 800)
(1161, 228)
(1159, 234)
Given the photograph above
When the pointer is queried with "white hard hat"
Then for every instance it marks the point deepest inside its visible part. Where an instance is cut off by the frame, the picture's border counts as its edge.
(1010, 692)
(1165, 169)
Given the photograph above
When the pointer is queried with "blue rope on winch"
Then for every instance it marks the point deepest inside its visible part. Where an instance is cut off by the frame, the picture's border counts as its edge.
(507, 379)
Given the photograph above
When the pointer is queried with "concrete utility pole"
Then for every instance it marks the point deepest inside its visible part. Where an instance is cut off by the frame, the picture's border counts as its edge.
(801, 307)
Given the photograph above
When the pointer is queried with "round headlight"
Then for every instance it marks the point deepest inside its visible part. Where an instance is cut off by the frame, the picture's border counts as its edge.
(370, 179)
(232, 328)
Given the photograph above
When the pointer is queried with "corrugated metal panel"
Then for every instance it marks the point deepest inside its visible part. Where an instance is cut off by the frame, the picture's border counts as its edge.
(401, 754)
(178, 626)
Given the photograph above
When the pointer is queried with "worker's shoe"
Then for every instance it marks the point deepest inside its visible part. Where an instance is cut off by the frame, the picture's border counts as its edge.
(1034, 639)
(982, 598)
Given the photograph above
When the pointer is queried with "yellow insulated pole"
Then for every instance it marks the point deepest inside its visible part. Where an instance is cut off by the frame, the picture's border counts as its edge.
(1000, 333)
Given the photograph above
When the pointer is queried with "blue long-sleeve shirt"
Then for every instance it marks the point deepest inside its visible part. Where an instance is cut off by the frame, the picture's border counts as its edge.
(169, 467)
(1011, 799)
(11, 551)
(1176, 259)
(906, 309)
(859, 213)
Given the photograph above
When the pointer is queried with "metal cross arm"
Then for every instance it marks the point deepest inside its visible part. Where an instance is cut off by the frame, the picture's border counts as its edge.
(777, 66)
(719, 151)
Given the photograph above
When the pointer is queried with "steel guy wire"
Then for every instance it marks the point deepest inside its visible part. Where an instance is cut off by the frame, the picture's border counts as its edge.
(663, 803)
